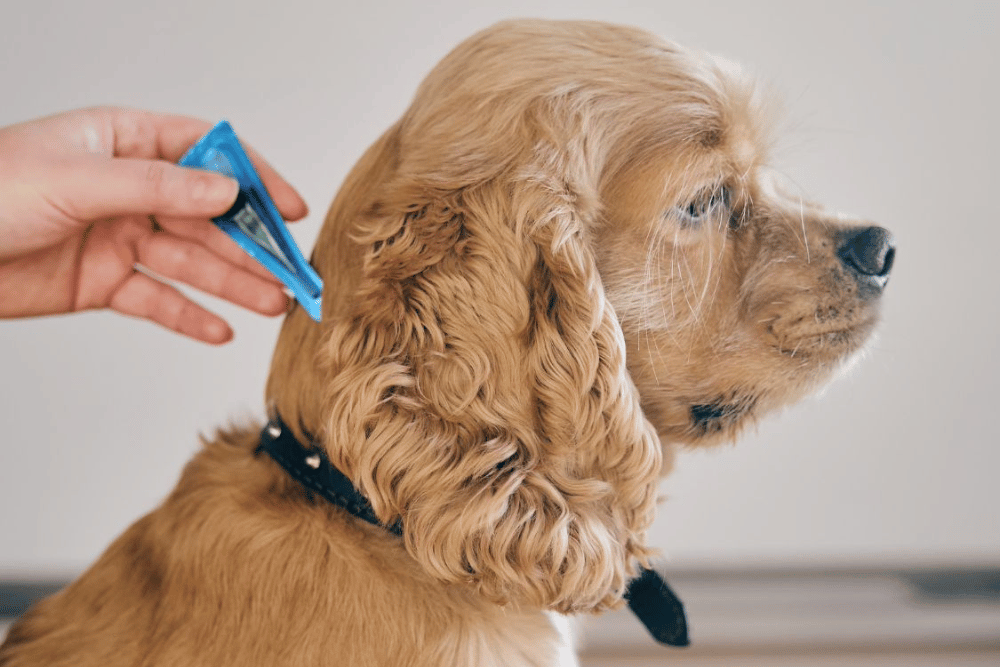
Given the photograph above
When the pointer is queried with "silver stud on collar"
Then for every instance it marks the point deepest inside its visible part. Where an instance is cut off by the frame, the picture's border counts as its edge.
(273, 430)
(313, 461)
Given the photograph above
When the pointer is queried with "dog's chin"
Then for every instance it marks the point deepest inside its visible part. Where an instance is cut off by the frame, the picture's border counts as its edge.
(798, 367)
(847, 362)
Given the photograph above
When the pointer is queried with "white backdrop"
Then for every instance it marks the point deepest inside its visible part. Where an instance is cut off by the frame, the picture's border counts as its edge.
(892, 113)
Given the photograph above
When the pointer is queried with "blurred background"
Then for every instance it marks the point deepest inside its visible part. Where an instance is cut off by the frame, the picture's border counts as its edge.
(862, 522)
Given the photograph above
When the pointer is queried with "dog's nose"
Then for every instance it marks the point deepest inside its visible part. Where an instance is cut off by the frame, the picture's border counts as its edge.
(868, 252)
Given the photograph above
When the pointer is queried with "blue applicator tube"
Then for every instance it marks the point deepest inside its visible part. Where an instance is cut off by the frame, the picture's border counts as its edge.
(253, 221)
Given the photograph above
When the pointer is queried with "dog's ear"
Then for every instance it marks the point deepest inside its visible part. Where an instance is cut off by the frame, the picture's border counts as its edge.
(479, 393)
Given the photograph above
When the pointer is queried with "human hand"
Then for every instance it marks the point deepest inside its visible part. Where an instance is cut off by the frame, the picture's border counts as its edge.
(88, 196)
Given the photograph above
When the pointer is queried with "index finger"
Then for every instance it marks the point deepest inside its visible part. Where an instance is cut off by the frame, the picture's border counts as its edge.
(152, 135)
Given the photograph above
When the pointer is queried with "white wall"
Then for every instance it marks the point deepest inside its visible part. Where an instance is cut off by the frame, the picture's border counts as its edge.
(892, 114)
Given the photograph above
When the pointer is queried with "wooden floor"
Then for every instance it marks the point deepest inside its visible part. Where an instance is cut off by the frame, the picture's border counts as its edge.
(839, 659)
(817, 618)
(798, 617)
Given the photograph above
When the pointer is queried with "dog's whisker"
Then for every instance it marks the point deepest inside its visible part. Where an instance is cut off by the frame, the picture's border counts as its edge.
(805, 236)
(655, 272)
(672, 323)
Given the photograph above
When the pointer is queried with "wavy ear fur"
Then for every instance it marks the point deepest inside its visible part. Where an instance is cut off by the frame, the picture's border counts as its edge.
(479, 391)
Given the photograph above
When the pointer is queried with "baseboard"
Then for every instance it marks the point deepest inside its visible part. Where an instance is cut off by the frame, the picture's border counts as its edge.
(735, 615)
(17, 596)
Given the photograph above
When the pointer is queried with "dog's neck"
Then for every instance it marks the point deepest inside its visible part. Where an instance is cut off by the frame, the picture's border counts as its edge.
(648, 596)
(311, 468)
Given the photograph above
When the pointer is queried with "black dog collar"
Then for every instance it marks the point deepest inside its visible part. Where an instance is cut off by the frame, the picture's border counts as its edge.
(648, 596)
(313, 470)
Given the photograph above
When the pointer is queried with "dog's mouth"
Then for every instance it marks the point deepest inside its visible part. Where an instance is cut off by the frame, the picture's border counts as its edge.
(832, 343)
(811, 338)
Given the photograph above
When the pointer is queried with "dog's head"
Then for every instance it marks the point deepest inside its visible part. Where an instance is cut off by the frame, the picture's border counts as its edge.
(566, 256)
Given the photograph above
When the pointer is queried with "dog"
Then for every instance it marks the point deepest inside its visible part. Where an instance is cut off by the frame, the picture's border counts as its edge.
(567, 259)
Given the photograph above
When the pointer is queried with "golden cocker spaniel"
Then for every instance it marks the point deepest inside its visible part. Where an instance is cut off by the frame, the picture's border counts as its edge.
(566, 259)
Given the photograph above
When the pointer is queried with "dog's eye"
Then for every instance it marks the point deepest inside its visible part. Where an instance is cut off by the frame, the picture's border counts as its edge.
(706, 205)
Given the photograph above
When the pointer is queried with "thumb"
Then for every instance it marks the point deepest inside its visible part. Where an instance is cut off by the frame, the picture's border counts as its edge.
(128, 186)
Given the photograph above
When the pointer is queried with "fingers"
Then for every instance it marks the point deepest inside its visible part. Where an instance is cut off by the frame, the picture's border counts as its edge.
(142, 134)
(206, 234)
(122, 264)
(142, 296)
(192, 264)
(181, 199)
(93, 188)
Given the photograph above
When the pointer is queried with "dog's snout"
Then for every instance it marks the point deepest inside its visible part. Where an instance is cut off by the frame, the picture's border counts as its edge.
(868, 253)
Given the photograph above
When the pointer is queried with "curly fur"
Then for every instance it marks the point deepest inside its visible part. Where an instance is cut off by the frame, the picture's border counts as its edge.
(522, 320)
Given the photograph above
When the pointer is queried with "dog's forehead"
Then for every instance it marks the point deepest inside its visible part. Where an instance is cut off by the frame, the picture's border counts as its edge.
(634, 96)
(538, 58)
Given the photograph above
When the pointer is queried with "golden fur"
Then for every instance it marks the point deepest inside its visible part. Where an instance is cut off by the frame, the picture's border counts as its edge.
(526, 310)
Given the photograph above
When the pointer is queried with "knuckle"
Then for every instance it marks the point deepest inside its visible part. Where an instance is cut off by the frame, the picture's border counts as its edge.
(167, 255)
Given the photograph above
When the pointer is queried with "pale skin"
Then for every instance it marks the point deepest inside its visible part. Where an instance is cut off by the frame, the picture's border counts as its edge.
(88, 196)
